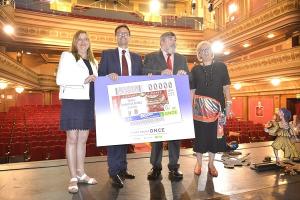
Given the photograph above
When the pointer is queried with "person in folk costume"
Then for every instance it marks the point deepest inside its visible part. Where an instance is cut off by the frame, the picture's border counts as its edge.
(284, 134)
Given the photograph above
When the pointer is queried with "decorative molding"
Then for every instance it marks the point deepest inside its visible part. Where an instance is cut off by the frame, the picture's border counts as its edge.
(47, 82)
(50, 59)
(18, 73)
(256, 74)
(7, 14)
(15, 71)
(276, 12)
(291, 87)
(46, 29)
(279, 63)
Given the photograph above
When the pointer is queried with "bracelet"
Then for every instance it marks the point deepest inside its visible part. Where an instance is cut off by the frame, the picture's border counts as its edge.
(229, 102)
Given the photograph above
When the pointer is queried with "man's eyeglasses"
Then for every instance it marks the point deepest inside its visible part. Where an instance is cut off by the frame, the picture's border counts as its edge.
(123, 34)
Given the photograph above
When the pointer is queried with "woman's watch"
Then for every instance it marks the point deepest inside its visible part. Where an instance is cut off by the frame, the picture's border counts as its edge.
(228, 102)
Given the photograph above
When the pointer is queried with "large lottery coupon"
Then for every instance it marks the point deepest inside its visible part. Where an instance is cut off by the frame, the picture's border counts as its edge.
(138, 109)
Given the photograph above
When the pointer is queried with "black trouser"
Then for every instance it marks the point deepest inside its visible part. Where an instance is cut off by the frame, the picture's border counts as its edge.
(156, 154)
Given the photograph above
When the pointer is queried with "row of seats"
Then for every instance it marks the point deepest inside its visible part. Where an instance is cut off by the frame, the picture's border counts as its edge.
(26, 128)
(35, 135)
(32, 132)
(143, 23)
(245, 131)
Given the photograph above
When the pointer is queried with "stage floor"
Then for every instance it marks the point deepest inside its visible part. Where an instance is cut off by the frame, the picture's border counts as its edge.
(48, 180)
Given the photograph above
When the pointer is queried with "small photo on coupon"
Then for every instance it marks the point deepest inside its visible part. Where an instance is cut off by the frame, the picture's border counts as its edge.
(144, 102)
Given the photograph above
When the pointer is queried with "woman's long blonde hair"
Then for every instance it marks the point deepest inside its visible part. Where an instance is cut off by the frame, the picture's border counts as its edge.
(74, 50)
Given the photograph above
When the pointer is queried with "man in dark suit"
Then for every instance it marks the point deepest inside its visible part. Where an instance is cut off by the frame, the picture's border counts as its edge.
(165, 62)
(114, 63)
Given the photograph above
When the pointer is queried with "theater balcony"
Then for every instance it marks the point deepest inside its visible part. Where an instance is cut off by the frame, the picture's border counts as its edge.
(261, 42)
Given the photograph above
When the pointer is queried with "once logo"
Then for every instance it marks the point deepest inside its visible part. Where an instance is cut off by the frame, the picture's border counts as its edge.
(157, 130)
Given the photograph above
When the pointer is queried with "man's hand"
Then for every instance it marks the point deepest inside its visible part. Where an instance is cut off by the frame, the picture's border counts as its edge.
(166, 72)
(90, 78)
(181, 72)
(113, 76)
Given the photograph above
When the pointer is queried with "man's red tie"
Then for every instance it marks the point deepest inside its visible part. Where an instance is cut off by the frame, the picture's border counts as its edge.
(124, 64)
(169, 62)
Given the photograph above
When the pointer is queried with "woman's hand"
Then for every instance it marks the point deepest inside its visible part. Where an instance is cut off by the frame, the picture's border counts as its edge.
(90, 78)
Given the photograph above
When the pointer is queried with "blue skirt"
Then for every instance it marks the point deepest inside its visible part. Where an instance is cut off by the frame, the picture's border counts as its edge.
(77, 114)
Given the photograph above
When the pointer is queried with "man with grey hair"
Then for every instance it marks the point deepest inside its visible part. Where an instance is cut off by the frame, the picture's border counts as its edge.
(165, 62)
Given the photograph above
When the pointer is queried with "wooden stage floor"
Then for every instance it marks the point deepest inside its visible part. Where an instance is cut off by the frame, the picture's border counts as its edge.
(48, 180)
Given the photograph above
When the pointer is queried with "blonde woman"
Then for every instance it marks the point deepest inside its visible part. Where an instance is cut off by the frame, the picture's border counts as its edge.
(76, 74)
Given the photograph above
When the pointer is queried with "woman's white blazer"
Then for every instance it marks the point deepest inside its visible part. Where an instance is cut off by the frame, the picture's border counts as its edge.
(71, 75)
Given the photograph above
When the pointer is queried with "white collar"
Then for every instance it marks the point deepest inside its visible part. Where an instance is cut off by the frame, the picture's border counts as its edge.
(120, 50)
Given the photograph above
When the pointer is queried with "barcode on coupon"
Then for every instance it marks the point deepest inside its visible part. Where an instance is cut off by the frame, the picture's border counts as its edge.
(128, 90)
(148, 121)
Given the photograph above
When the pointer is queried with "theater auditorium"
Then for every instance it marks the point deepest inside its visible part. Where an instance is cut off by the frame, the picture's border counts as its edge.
(259, 42)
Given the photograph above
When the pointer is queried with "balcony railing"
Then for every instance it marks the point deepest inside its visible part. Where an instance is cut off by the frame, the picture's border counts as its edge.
(278, 11)
(285, 62)
(7, 2)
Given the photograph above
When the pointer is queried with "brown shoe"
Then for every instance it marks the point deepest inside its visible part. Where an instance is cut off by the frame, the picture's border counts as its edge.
(197, 169)
(213, 171)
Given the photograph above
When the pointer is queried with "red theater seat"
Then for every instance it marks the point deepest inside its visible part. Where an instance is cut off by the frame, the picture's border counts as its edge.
(56, 152)
(18, 148)
(3, 149)
(92, 150)
(37, 153)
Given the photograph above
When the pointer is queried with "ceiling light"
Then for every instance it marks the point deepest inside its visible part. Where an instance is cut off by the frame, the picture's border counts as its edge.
(19, 89)
(3, 85)
(237, 86)
(275, 81)
(271, 35)
(8, 29)
(28, 52)
(226, 53)
(232, 8)
(154, 6)
(217, 47)
(246, 45)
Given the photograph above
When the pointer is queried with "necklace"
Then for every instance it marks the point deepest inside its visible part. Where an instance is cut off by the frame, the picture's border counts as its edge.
(208, 74)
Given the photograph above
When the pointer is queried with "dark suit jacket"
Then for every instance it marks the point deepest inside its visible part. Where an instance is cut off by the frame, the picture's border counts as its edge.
(155, 63)
(110, 63)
